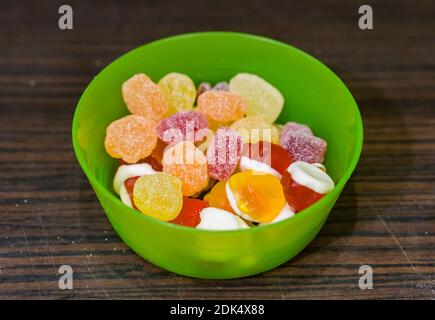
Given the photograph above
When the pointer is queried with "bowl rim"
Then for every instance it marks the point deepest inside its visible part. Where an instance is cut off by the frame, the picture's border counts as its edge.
(304, 213)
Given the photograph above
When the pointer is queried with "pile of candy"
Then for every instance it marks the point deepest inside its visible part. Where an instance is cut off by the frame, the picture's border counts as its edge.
(220, 165)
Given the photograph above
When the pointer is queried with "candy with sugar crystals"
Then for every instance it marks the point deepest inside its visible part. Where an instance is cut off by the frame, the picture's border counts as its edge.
(301, 144)
(255, 129)
(130, 138)
(185, 161)
(293, 127)
(221, 106)
(127, 171)
(179, 90)
(144, 98)
(223, 153)
(203, 87)
(263, 99)
(158, 195)
(304, 147)
(186, 125)
(221, 86)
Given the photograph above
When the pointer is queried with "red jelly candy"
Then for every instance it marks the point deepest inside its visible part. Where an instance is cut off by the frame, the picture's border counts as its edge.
(189, 215)
(270, 153)
(223, 153)
(304, 147)
(154, 163)
(129, 185)
(181, 126)
(298, 197)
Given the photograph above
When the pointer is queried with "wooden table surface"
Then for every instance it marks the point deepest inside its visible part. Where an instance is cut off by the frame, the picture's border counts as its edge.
(49, 215)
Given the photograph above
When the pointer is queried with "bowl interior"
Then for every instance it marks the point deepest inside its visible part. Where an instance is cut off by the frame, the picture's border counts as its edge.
(313, 94)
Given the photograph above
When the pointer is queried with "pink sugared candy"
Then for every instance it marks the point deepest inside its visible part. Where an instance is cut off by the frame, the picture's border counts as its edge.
(301, 144)
(222, 86)
(206, 86)
(293, 127)
(203, 87)
(185, 125)
(223, 153)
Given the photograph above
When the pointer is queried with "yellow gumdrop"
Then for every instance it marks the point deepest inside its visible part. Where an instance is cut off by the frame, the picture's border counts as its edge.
(158, 195)
(262, 99)
(259, 196)
(255, 129)
(179, 90)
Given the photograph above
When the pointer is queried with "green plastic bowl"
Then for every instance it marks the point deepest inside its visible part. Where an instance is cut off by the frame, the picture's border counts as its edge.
(313, 95)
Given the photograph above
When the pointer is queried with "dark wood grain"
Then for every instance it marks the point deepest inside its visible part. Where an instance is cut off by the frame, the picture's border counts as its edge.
(49, 216)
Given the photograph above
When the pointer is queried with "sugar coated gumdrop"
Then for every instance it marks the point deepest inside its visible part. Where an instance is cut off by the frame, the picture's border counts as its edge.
(186, 125)
(255, 197)
(158, 195)
(189, 215)
(255, 129)
(204, 143)
(203, 87)
(304, 147)
(293, 127)
(130, 138)
(262, 99)
(223, 153)
(265, 157)
(179, 90)
(145, 98)
(127, 171)
(221, 106)
(304, 184)
(189, 164)
(217, 197)
(221, 86)
(158, 151)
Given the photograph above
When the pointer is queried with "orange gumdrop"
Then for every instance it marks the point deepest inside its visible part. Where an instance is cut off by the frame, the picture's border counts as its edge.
(217, 197)
(145, 98)
(221, 106)
(186, 162)
(130, 138)
(159, 150)
(257, 196)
